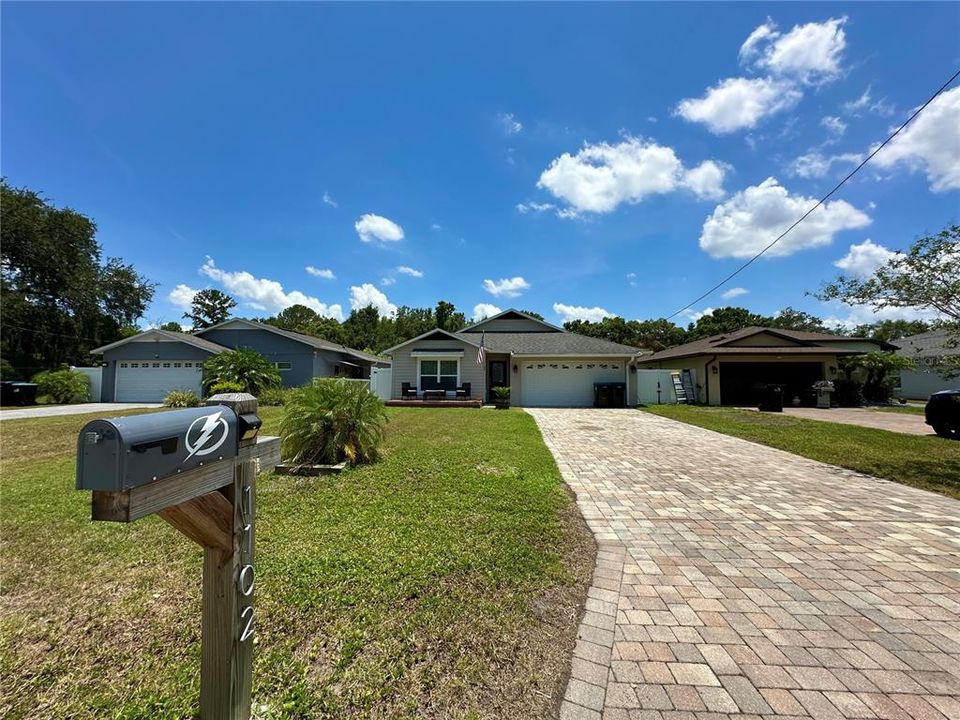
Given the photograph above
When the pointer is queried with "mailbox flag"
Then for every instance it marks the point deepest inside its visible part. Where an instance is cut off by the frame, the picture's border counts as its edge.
(481, 352)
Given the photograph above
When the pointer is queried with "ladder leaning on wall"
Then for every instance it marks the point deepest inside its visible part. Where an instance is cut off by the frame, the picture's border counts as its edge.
(683, 387)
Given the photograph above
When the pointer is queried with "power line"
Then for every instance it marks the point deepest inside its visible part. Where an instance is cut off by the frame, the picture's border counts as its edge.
(820, 202)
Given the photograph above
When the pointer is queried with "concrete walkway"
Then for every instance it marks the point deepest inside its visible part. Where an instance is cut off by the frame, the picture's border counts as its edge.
(865, 417)
(40, 411)
(736, 581)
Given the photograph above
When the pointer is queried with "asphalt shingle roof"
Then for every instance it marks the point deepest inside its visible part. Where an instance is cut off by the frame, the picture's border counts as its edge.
(933, 343)
(550, 343)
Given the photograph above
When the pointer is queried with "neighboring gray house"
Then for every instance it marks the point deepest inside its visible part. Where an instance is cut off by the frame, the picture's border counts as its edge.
(927, 350)
(543, 365)
(146, 366)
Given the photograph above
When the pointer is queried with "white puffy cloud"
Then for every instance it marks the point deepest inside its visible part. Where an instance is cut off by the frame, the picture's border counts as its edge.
(577, 312)
(509, 124)
(811, 53)
(600, 177)
(484, 310)
(328, 200)
(815, 164)
(834, 124)
(324, 273)
(750, 220)
(376, 228)
(182, 296)
(362, 296)
(738, 103)
(264, 294)
(846, 317)
(863, 258)
(406, 270)
(506, 287)
(734, 292)
(533, 207)
(931, 143)
(695, 315)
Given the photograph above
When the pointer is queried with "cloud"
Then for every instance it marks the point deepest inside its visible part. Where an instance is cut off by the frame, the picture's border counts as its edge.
(577, 312)
(506, 287)
(509, 124)
(734, 292)
(324, 273)
(811, 53)
(329, 200)
(388, 281)
(866, 103)
(930, 144)
(864, 258)
(182, 297)
(738, 103)
(600, 177)
(632, 279)
(376, 228)
(834, 124)
(867, 315)
(484, 310)
(263, 294)
(437, 227)
(694, 315)
(753, 218)
(816, 165)
(533, 207)
(405, 270)
(362, 296)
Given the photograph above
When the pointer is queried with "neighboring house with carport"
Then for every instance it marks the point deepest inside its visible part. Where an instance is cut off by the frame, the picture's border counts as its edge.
(148, 365)
(730, 368)
(544, 365)
(927, 350)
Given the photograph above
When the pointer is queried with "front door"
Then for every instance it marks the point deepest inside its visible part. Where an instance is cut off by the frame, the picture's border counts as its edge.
(499, 376)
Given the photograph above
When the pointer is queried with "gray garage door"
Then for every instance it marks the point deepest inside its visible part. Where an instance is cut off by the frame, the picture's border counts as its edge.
(151, 380)
(565, 383)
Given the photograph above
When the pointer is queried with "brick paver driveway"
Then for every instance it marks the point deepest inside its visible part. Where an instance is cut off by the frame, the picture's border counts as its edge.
(735, 579)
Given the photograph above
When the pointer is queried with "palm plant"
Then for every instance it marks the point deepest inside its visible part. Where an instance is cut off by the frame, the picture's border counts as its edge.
(245, 367)
(331, 421)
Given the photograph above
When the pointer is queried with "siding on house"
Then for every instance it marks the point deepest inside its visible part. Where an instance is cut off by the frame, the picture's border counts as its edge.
(763, 340)
(144, 351)
(274, 347)
(405, 365)
(508, 325)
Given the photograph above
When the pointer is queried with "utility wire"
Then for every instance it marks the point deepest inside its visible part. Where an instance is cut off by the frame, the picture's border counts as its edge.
(820, 202)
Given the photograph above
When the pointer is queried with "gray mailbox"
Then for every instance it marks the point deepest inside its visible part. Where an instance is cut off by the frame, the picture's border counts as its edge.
(122, 453)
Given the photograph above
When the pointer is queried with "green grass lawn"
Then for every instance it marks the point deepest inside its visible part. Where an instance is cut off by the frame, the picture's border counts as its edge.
(444, 582)
(931, 463)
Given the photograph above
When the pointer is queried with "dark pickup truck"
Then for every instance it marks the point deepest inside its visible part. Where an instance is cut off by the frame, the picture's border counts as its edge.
(943, 413)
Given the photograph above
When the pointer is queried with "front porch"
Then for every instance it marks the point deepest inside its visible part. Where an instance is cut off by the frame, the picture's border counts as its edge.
(434, 403)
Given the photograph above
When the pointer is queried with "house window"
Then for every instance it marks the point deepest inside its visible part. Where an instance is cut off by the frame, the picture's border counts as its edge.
(439, 374)
(283, 365)
(123, 365)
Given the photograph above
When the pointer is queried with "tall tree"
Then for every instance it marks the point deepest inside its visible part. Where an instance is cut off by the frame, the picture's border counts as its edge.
(209, 307)
(298, 318)
(725, 320)
(889, 330)
(533, 314)
(790, 319)
(59, 299)
(172, 326)
(448, 318)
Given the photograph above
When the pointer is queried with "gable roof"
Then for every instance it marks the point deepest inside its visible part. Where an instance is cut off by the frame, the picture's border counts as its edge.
(510, 314)
(314, 342)
(428, 335)
(933, 343)
(805, 343)
(165, 335)
(554, 343)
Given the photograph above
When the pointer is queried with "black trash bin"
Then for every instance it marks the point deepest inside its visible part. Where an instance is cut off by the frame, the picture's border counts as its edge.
(17, 393)
(771, 400)
(609, 395)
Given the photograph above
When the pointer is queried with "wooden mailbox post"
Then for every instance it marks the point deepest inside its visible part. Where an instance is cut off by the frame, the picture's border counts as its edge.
(214, 504)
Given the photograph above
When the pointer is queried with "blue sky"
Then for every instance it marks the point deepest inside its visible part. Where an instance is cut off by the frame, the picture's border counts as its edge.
(569, 159)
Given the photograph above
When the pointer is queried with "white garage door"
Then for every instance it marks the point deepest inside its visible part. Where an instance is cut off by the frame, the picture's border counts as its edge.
(565, 383)
(151, 380)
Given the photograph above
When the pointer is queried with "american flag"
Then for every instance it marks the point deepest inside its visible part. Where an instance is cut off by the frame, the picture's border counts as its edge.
(481, 351)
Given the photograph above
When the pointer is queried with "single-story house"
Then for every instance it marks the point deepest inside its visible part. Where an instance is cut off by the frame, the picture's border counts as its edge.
(542, 364)
(730, 368)
(927, 350)
(148, 365)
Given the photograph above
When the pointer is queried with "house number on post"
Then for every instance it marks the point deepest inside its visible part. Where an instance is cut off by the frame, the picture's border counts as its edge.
(246, 578)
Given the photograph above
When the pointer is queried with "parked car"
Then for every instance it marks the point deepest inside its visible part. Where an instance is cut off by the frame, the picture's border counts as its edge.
(943, 413)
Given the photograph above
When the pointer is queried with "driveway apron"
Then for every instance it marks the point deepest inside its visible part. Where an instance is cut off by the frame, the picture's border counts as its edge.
(737, 580)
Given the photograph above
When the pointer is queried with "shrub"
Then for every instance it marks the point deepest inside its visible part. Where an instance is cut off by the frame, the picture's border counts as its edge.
(245, 367)
(226, 386)
(330, 421)
(63, 386)
(276, 397)
(848, 393)
(181, 399)
(7, 371)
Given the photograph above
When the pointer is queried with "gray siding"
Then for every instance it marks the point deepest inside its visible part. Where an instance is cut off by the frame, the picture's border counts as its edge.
(510, 325)
(920, 384)
(144, 351)
(274, 347)
(405, 365)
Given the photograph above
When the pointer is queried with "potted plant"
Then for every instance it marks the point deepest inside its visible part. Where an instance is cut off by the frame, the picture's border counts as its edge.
(501, 397)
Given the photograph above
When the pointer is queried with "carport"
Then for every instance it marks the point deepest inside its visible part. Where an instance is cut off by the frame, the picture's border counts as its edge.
(741, 383)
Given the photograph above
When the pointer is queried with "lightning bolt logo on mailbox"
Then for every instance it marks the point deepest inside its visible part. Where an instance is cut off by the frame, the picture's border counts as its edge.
(205, 441)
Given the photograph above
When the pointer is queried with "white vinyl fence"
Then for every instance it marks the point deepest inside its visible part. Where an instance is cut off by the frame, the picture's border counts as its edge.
(655, 387)
(95, 376)
(380, 382)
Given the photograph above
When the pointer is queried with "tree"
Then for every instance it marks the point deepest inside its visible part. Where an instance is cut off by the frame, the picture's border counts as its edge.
(298, 318)
(888, 330)
(246, 367)
(927, 276)
(533, 314)
(648, 334)
(410, 322)
(658, 335)
(60, 300)
(877, 366)
(209, 307)
(448, 318)
(723, 321)
(172, 326)
(361, 329)
(790, 319)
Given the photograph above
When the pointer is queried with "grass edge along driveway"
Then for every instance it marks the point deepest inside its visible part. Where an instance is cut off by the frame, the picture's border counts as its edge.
(445, 581)
(930, 463)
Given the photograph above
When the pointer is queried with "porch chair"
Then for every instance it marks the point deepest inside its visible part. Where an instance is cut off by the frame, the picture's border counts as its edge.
(463, 392)
(407, 392)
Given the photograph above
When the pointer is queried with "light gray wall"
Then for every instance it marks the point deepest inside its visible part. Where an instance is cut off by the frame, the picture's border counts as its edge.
(144, 351)
(919, 385)
(405, 365)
